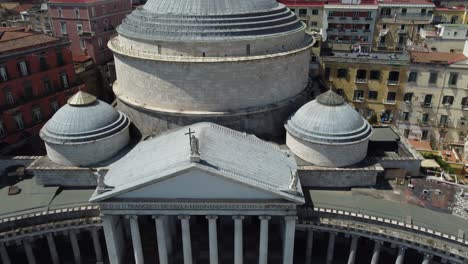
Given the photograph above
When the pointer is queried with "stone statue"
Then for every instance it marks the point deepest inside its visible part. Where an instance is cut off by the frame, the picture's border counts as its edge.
(194, 147)
(101, 185)
(294, 179)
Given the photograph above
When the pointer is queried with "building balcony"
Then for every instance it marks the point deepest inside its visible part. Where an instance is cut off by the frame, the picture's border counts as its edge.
(87, 34)
(343, 18)
(360, 80)
(464, 107)
(393, 82)
(389, 102)
(426, 105)
(358, 99)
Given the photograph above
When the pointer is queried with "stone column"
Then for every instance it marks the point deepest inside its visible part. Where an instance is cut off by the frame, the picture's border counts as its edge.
(161, 237)
(29, 252)
(113, 231)
(4, 254)
(238, 245)
(401, 255)
(75, 247)
(289, 233)
(427, 258)
(309, 246)
(52, 248)
(331, 247)
(263, 247)
(376, 253)
(97, 245)
(213, 237)
(136, 239)
(186, 242)
(353, 249)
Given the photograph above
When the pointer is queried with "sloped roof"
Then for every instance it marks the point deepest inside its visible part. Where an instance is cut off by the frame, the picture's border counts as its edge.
(20, 40)
(436, 57)
(231, 154)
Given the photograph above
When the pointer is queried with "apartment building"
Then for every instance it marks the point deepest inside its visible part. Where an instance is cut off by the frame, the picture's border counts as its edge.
(372, 83)
(309, 11)
(446, 37)
(400, 21)
(88, 24)
(435, 103)
(349, 24)
(450, 15)
(36, 78)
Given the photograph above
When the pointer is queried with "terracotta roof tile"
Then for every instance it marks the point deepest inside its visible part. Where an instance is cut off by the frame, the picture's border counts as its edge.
(25, 41)
(6, 36)
(23, 7)
(436, 57)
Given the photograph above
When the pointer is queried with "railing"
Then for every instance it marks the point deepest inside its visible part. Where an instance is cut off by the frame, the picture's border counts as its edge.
(411, 16)
(393, 82)
(358, 99)
(426, 105)
(389, 102)
(361, 80)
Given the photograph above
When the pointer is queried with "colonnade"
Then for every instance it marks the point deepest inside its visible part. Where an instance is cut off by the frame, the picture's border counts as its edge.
(55, 259)
(289, 223)
(400, 258)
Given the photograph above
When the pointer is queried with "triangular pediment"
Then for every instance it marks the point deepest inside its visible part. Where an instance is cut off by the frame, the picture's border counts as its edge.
(195, 183)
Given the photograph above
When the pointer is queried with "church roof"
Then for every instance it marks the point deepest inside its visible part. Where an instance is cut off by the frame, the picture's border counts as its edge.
(208, 20)
(329, 120)
(236, 156)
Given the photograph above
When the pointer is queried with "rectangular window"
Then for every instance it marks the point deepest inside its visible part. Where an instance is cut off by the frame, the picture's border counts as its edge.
(82, 44)
(375, 75)
(405, 116)
(315, 12)
(425, 134)
(358, 95)
(77, 13)
(23, 68)
(447, 100)
(64, 80)
(425, 118)
(443, 120)
(79, 28)
(37, 115)
(99, 41)
(373, 95)
(43, 63)
(361, 76)
(327, 73)
(464, 103)
(63, 28)
(19, 121)
(408, 97)
(394, 78)
(433, 78)
(428, 100)
(93, 11)
(453, 78)
(2, 129)
(3, 73)
(9, 97)
(302, 12)
(60, 61)
(95, 25)
(60, 12)
(342, 73)
(340, 92)
(54, 106)
(412, 76)
(47, 86)
(28, 90)
(391, 97)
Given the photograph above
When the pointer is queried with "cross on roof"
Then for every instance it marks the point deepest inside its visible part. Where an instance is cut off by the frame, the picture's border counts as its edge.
(189, 133)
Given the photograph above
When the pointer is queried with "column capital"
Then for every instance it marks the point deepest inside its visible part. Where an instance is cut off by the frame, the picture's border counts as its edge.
(183, 217)
(238, 217)
(264, 217)
(290, 217)
(211, 217)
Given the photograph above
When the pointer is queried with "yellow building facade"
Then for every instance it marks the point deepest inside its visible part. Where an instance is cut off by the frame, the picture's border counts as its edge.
(373, 83)
(452, 15)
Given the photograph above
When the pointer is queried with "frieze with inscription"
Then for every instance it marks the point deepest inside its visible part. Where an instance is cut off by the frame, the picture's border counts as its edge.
(192, 206)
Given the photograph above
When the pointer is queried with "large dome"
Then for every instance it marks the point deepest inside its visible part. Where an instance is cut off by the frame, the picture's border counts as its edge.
(85, 131)
(328, 132)
(206, 20)
(328, 119)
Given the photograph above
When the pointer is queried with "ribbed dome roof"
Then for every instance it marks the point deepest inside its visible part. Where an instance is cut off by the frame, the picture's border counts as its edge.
(328, 119)
(202, 20)
(82, 119)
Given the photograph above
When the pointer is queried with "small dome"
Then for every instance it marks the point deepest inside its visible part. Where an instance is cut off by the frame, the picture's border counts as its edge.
(328, 119)
(207, 7)
(85, 131)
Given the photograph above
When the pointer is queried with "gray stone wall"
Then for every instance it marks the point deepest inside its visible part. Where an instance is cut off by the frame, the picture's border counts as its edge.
(65, 177)
(89, 153)
(6, 162)
(265, 122)
(411, 165)
(328, 155)
(223, 86)
(339, 178)
(229, 47)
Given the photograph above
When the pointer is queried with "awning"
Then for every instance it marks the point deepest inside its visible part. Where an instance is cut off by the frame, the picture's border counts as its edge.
(429, 163)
